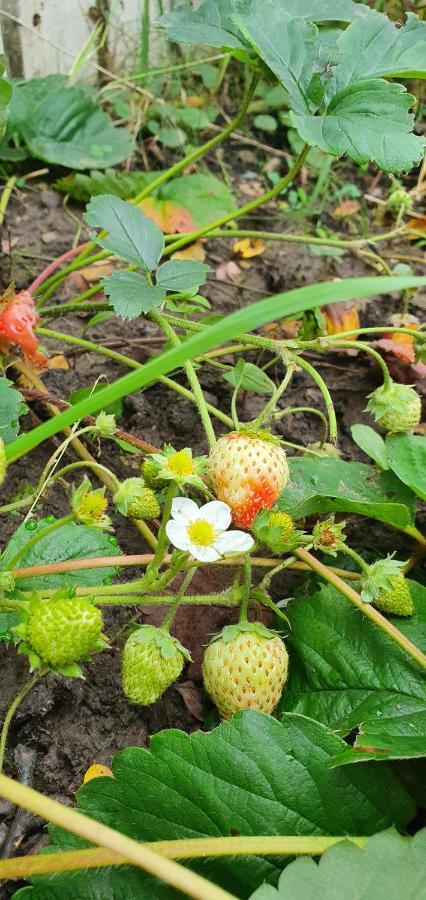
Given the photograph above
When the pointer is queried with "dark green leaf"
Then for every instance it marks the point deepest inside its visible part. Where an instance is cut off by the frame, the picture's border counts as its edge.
(327, 485)
(407, 458)
(344, 670)
(249, 377)
(67, 128)
(368, 120)
(120, 184)
(371, 443)
(388, 737)
(388, 867)
(69, 542)
(27, 95)
(205, 196)
(130, 294)
(181, 275)
(252, 775)
(132, 235)
(210, 24)
(11, 407)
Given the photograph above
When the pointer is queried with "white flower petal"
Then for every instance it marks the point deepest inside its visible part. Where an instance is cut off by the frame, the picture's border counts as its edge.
(203, 554)
(185, 509)
(217, 513)
(177, 534)
(233, 542)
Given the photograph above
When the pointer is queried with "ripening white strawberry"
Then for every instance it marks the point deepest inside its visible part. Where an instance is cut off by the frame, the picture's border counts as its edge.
(247, 471)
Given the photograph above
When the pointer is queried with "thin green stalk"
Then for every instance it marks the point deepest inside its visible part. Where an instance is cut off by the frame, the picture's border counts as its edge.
(20, 696)
(246, 587)
(332, 422)
(43, 533)
(145, 25)
(5, 196)
(131, 364)
(365, 608)
(357, 558)
(191, 376)
(355, 244)
(219, 599)
(243, 210)
(266, 580)
(361, 345)
(57, 310)
(169, 70)
(78, 263)
(205, 148)
(305, 409)
(269, 407)
(163, 540)
(180, 595)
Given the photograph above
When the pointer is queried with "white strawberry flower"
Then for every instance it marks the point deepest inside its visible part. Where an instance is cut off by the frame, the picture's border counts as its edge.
(202, 531)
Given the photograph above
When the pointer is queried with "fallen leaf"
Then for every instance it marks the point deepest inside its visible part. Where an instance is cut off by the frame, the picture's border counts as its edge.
(195, 101)
(246, 248)
(58, 362)
(97, 270)
(282, 330)
(170, 217)
(96, 771)
(229, 271)
(346, 209)
(341, 318)
(193, 251)
(416, 225)
(193, 699)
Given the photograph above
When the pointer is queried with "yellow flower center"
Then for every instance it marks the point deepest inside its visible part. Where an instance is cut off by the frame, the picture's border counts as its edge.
(93, 506)
(180, 463)
(201, 532)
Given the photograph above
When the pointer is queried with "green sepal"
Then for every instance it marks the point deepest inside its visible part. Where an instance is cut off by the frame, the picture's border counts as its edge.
(20, 631)
(33, 658)
(230, 632)
(380, 577)
(72, 670)
(261, 434)
(265, 599)
(166, 643)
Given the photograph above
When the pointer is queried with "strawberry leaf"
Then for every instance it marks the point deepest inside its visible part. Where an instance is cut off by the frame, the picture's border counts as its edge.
(132, 235)
(11, 407)
(130, 294)
(407, 458)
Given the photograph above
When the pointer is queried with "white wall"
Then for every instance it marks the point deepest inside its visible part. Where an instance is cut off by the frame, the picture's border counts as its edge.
(54, 32)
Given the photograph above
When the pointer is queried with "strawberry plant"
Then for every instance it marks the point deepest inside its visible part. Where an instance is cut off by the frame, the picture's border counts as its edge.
(319, 660)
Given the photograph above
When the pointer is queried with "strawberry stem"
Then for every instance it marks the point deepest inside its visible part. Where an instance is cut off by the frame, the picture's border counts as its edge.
(246, 588)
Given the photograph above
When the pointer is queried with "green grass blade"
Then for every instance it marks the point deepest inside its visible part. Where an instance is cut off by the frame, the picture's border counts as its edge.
(290, 303)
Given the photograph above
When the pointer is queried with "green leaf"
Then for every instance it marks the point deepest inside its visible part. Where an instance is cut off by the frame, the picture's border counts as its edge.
(69, 542)
(247, 319)
(344, 670)
(120, 184)
(210, 24)
(169, 137)
(68, 129)
(371, 443)
(368, 120)
(407, 458)
(388, 867)
(132, 235)
(11, 407)
(204, 196)
(130, 294)
(288, 48)
(27, 95)
(253, 775)
(265, 123)
(388, 737)
(249, 377)
(181, 275)
(333, 485)
(375, 46)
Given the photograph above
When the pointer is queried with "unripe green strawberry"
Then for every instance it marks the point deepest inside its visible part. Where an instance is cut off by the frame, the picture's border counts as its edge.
(152, 660)
(396, 407)
(248, 472)
(63, 630)
(2, 461)
(149, 469)
(135, 500)
(396, 600)
(245, 667)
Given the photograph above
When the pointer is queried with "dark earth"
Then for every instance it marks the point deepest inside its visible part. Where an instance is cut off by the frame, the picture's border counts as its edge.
(69, 724)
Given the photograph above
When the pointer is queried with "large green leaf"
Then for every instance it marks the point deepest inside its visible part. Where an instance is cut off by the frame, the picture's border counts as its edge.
(247, 319)
(133, 236)
(68, 129)
(406, 455)
(253, 775)
(68, 542)
(27, 95)
(344, 670)
(368, 120)
(375, 46)
(389, 867)
(372, 443)
(11, 407)
(204, 196)
(130, 294)
(325, 485)
(388, 737)
(181, 275)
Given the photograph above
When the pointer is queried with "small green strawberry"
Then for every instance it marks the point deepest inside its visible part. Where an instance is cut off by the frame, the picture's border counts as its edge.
(149, 470)
(395, 407)
(62, 630)
(152, 660)
(317, 449)
(2, 461)
(396, 599)
(245, 667)
(136, 500)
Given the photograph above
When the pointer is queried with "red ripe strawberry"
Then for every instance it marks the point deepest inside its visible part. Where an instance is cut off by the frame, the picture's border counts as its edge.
(248, 472)
(18, 318)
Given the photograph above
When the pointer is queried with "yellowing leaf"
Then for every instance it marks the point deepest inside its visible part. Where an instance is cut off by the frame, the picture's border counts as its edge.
(195, 101)
(58, 362)
(193, 251)
(96, 771)
(340, 319)
(346, 209)
(170, 217)
(248, 247)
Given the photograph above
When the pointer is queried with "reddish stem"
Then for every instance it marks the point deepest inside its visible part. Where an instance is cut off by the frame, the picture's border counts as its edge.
(51, 268)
